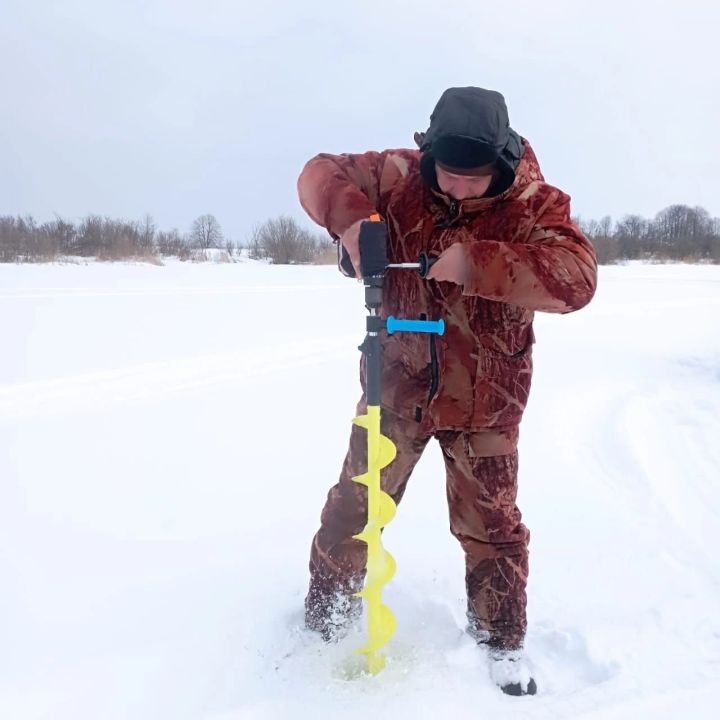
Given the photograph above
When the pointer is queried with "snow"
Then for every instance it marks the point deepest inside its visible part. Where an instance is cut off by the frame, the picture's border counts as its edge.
(167, 437)
(217, 255)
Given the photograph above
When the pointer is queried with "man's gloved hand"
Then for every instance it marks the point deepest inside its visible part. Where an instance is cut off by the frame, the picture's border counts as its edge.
(451, 266)
(350, 242)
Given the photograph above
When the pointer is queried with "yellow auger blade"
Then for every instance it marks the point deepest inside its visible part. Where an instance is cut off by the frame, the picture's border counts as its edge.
(380, 563)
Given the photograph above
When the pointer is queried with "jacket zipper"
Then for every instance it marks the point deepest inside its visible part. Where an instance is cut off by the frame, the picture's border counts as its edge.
(452, 216)
(434, 379)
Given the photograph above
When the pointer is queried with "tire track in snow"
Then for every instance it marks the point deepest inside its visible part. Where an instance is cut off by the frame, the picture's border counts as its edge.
(137, 383)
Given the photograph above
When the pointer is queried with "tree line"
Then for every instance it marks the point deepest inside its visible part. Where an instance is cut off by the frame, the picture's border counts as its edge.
(23, 239)
(279, 240)
(677, 233)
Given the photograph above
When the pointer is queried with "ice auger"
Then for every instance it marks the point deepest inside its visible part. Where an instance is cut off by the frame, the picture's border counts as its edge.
(380, 449)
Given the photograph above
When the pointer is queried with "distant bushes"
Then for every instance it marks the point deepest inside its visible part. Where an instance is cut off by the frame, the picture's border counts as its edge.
(22, 239)
(280, 240)
(677, 233)
(283, 241)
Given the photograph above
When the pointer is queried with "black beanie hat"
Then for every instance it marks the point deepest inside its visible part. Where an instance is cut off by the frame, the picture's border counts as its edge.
(470, 127)
(461, 151)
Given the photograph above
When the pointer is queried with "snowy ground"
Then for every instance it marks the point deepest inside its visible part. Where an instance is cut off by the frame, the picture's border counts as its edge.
(167, 437)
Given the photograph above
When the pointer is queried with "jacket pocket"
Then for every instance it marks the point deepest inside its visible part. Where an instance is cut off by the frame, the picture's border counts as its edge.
(502, 387)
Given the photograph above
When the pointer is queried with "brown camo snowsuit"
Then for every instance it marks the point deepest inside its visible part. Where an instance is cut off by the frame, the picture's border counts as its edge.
(468, 388)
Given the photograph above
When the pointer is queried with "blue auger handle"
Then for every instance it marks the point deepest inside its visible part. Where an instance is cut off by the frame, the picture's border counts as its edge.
(420, 326)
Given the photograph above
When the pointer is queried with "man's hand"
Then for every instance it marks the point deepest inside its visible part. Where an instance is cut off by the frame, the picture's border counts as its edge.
(451, 266)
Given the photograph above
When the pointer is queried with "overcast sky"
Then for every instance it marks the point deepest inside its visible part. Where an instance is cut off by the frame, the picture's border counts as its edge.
(178, 108)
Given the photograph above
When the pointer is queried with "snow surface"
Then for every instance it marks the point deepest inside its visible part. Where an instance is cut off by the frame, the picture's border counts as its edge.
(167, 438)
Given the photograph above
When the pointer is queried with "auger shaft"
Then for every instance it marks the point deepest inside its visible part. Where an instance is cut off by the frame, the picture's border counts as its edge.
(381, 450)
(381, 507)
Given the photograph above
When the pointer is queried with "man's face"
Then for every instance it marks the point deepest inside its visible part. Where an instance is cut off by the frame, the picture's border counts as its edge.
(462, 184)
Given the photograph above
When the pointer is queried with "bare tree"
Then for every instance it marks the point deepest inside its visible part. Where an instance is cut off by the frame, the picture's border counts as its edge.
(89, 236)
(206, 232)
(284, 242)
(147, 232)
(630, 234)
(17, 238)
(601, 236)
(63, 234)
(231, 247)
(255, 248)
(172, 243)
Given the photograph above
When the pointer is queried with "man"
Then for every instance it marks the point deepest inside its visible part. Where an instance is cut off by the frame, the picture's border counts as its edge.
(474, 197)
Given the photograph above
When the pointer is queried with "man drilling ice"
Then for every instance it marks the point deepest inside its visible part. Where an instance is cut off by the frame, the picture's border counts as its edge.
(502, 246)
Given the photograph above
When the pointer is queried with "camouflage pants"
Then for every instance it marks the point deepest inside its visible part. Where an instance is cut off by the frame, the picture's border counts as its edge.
(481, 471)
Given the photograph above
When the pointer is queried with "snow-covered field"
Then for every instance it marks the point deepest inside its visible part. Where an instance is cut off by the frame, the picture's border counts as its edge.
(167, 437)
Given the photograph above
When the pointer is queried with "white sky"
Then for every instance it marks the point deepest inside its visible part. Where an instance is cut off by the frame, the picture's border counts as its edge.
(178, 108)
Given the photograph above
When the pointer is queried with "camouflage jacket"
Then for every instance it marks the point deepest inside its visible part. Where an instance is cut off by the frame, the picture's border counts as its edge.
(526, 254)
